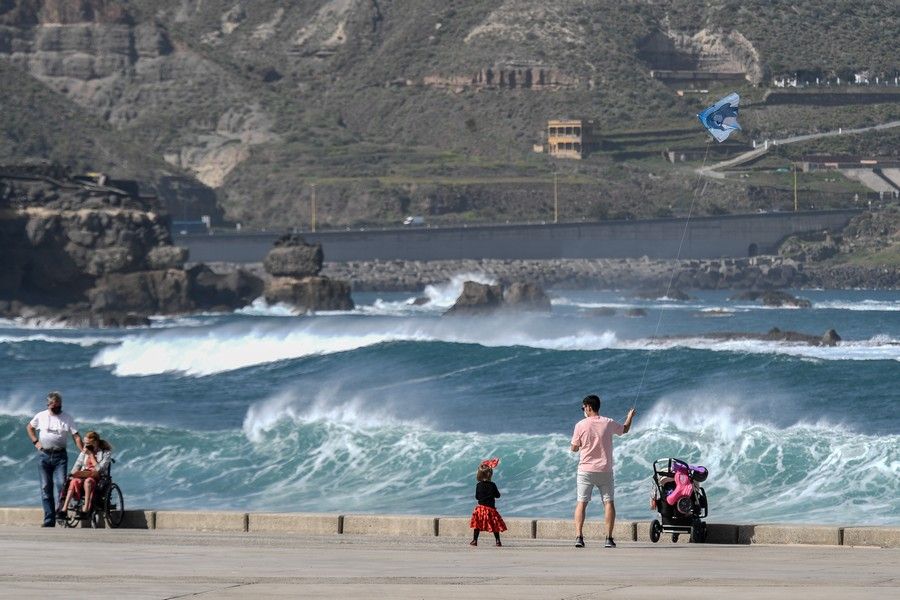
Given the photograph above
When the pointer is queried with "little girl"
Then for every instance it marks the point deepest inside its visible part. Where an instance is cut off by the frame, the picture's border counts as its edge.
(485, 516)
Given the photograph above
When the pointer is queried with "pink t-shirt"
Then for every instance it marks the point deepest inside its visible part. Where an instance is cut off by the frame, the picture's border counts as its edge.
(594, 436)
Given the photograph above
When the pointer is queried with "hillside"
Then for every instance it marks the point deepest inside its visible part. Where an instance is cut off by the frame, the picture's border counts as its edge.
(397, 107)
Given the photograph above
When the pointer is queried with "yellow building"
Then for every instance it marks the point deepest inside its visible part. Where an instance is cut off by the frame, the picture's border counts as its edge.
(568, 138)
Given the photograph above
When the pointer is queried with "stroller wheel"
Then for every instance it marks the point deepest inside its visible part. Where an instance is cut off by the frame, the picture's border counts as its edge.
(675, 537)
(655, 531)
(698, 532)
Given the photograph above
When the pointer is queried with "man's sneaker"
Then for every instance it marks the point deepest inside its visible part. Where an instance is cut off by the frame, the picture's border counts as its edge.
(579, 542)
(609, 543)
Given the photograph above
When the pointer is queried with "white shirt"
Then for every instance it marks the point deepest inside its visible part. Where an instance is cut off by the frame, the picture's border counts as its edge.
(53, 429)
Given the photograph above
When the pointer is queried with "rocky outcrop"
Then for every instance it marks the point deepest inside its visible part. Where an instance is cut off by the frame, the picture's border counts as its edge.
(292, 257)
(662, 293)
(82, 252)
(481, 298)
(526, 296)
(293, 267)
(222, 291)
(310, 294)
(773, 298)
(829, 338)
(511, 77)
(476, 299)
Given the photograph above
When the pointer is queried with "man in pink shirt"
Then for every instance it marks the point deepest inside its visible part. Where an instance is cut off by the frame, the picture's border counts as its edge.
(593, 439)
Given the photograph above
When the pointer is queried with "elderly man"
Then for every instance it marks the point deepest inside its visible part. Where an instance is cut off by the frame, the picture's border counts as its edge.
(49, 431)
(593, 439)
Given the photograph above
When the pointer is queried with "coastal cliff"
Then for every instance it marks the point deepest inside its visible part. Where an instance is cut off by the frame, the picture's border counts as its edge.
(82, 251)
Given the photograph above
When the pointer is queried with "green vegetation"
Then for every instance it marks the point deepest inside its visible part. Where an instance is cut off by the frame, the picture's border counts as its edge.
(354, 117)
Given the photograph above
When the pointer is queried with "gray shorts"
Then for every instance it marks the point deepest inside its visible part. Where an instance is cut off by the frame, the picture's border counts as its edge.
(604, 482)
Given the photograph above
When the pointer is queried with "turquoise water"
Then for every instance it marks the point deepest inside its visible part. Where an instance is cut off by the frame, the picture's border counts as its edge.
(389, 408)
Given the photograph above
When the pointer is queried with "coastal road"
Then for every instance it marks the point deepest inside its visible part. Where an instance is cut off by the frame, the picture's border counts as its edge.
(713, 170)
(127, 564)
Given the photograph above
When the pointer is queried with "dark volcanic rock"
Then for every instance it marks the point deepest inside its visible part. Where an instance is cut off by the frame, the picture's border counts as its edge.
(79, 252)
(830, 338)
(166, 257)
(310, 293)
(294, 261)
(294, 266)
(477, 298)
(773, 298)
(635, 312)
(421, 301)
(214, 291)
(526, 296)
(145, 292)
(672, 294)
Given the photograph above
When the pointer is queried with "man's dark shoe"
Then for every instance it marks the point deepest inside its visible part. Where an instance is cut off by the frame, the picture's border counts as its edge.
(609, 543)
(50, 524)
(579, 542)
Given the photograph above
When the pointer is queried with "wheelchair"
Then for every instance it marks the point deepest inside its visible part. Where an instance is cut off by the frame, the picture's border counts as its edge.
(108, 508)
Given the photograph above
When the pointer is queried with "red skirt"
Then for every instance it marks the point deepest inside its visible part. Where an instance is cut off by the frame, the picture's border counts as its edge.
(487, 519)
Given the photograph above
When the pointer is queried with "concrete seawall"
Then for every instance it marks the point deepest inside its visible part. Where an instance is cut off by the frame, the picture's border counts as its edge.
(729, 236)
(317, 524)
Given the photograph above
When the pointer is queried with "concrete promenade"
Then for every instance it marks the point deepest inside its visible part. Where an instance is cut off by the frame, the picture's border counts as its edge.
(129, 563)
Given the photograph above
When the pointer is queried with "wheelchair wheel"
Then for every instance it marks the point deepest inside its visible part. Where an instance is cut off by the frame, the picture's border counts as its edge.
(114, 506)
(655, 531)
(72, 519)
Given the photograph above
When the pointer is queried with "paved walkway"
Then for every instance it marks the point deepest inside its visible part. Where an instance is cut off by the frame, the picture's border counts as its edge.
(172, 564)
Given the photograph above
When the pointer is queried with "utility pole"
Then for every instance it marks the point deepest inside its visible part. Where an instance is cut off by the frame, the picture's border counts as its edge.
(795, 189)
(312, 208)
(555, 197)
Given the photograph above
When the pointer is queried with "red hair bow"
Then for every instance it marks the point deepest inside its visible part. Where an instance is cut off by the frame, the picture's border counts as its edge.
(491, 463)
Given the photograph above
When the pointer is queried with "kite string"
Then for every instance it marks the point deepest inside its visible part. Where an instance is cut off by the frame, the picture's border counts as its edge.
(694, 197)
(687, 222)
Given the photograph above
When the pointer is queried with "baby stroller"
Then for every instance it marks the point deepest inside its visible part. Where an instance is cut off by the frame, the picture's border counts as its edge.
(679, 499)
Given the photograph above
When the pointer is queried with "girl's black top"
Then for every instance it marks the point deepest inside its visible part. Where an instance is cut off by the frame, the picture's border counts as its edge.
(485, 492)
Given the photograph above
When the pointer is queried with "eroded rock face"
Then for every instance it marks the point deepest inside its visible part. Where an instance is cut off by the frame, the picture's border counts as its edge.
(526, 296)
(222, 291)
(130, 71)
(309, 294)
(294, 266)
(88, 254)
(773, 298)
(480, 298)
(477, 298)
(830, 338)
(293, 257)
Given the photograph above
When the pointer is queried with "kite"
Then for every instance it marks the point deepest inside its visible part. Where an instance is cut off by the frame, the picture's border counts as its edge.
(490, 463)
(720, 119)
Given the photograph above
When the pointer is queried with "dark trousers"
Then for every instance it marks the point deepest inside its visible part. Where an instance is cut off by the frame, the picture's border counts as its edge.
(53, 468)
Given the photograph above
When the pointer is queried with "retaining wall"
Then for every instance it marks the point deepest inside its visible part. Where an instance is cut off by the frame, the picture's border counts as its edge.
(730, 236)
(458, 527)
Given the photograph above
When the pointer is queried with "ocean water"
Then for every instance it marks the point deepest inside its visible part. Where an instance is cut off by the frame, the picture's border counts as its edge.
(389, 408)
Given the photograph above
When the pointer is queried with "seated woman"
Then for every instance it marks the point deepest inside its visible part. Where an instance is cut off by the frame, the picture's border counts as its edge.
(92, 463)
